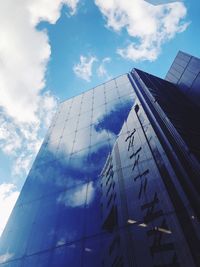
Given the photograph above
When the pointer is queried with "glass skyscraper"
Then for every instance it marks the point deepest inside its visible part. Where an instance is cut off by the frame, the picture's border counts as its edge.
(185, 72)
(115, 183)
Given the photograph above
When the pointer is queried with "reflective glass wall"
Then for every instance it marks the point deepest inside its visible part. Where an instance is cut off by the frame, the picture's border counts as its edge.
(103, 190)
(180, 110)
(57, 218)
(185, 72)
(138, 212)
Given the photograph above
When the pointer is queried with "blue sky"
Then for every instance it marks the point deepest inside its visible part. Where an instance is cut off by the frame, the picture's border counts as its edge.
(53, 50)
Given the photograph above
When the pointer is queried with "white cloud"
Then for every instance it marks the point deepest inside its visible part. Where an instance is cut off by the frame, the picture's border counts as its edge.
(78, 197)
(72, 4)
(45, 10)
(5, 257)
(84, 69)
(25, 110)
(10, 140)
(8, 197)
(101, 70)
(24, 54)
(148, 26)
(22, 140)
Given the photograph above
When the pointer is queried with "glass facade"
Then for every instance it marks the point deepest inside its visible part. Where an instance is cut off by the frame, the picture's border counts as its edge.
(183, 114)
(141, 208)
(185, 72)
(57, 214)
(109, 187)
(171, 115)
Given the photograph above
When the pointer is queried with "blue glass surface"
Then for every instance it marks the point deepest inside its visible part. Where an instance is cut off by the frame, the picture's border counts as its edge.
(60, 201)
(97, 193)
(187, 78)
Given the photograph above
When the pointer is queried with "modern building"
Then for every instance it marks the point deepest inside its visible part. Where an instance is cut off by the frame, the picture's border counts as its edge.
(185, 72)
(116, 181)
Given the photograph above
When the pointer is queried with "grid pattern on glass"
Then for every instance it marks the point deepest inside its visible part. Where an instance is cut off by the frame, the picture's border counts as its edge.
(185, 71)
(90, 205)
(62, 188)
(137, 191)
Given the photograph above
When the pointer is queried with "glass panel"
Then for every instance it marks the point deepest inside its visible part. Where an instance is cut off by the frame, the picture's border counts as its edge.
(122, 79)
(111, 94)
(70, 255)
(76, 106)
(84, 120)
(98, 135)
(98, 113)
(87, 101)
(99, 96)
(70, 125)
(125, 89)
(82, 139)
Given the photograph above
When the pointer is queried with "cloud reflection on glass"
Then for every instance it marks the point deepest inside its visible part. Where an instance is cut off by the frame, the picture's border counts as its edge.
(62, 189)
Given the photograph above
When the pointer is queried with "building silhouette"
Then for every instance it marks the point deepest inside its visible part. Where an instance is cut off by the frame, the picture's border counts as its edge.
(116, 181)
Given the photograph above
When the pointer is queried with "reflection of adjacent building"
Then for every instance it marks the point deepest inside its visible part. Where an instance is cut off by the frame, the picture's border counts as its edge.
(150, 195)
(116, 182)
(142, 209)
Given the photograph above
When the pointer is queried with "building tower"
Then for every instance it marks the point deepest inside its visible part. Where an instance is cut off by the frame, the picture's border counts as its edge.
(116, 181)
